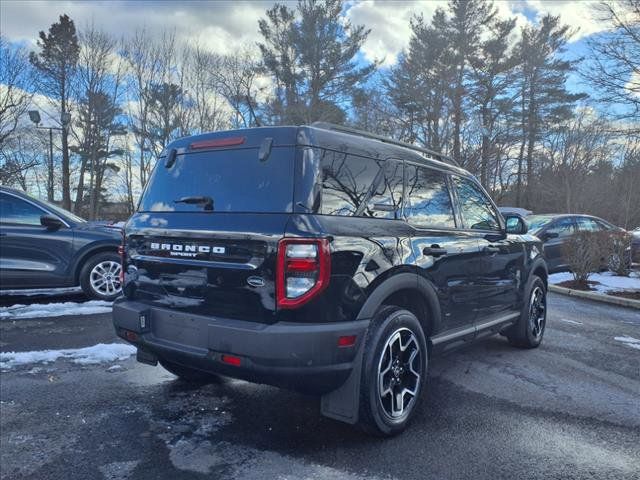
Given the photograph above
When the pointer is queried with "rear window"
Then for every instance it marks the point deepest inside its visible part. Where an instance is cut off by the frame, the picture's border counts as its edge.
(222, 181)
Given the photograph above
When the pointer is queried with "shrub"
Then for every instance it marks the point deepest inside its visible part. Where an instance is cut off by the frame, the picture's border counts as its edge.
(583, 253)
(615, 255)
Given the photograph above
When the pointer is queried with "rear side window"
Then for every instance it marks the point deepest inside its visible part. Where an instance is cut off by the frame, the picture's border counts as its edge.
(564, 227)
(475, 207)
(222, 181)
(428, 200)
(346, 182)
(360, 186)
(586, 224)
(386, 198)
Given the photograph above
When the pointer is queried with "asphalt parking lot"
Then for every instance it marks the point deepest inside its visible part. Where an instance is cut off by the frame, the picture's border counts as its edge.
(570, 409)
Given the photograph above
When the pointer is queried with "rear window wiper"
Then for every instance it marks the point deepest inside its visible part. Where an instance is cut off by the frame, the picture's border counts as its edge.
(206, 202)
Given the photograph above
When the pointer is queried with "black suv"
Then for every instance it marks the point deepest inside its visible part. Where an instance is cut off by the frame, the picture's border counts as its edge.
(44, 246)
(325, 260)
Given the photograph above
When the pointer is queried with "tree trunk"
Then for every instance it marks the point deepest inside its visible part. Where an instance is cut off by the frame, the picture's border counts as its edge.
(66, 190)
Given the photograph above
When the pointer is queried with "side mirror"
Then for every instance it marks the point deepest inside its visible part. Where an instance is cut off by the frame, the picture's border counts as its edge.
(51, 222)
(550, 235)
(515, 224)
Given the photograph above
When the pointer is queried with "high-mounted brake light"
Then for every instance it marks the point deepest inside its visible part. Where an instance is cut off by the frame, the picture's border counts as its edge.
(220, 142)
(303, 270)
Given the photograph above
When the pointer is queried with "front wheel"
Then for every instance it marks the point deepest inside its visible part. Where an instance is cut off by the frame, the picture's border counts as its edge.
(100, 276)
(394, 371)
(529, 330)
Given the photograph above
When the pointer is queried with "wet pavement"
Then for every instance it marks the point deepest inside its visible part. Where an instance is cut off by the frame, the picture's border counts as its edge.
(570, 409)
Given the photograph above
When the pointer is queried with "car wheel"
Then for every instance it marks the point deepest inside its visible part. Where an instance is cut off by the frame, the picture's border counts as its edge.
(529, 330)
(190, 375)
(100, 276)
(393, 371)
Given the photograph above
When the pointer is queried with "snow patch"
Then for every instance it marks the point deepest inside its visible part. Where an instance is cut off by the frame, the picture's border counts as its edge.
(100, 353)
(629, 341)
(606, 281)
(573, 322)
(54, 309)
(33, 292)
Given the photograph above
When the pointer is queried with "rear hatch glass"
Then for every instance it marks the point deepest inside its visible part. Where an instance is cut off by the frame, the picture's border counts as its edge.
(222, 181)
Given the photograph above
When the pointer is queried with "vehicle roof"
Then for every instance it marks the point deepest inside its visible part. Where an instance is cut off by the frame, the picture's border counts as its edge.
(560, 215)
(315, 136)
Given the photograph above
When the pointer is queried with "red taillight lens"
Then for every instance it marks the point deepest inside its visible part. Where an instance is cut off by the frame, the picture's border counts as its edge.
(347, 341)
(303, 271)
(231, 360)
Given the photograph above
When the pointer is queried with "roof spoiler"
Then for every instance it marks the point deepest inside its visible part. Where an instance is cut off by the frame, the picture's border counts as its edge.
(380, 138)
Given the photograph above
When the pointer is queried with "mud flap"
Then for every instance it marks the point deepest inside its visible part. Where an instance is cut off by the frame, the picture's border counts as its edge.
(342, 404)
(149, 358)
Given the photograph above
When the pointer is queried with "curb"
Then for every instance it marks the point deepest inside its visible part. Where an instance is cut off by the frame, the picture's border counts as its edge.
(598, 297)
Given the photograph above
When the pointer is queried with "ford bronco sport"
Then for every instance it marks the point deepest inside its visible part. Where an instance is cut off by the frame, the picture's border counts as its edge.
(322, 259)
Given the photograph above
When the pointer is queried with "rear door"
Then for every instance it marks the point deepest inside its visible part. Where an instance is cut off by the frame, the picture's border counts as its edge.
(31, 255)
(205, 238)
(449, 257)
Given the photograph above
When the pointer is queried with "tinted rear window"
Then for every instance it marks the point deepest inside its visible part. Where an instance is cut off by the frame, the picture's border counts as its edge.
(235, 180)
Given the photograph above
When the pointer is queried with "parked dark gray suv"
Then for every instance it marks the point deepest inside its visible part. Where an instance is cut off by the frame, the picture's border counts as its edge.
(44, 246)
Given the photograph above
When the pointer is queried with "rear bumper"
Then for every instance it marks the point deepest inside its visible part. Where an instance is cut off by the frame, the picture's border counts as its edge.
(303, 357)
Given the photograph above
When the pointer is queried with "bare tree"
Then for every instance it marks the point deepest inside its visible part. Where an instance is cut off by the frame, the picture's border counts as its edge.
(16, 84)
(144, 66)
(201, 67)
(614, 66)
(235, 80)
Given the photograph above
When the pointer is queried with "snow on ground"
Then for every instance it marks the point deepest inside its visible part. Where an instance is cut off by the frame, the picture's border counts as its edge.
(36, 292)
(629, 341)
(54, 309)
(607, 281)
(100, 353)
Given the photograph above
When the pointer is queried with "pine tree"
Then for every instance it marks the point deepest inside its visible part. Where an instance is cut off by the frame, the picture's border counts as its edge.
(56, 65)
(310, 53)
(544, 99)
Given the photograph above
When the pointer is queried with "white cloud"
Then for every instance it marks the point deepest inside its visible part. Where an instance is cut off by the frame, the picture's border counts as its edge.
(222, 26)
(389, 24)
(579, 15)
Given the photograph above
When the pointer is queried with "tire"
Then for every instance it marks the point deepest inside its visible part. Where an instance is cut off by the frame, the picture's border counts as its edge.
(379, 413)
(189, 375)
(529, 330)
(100, 276)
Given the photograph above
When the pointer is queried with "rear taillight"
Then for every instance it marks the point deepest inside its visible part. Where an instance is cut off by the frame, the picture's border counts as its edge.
(304, 267)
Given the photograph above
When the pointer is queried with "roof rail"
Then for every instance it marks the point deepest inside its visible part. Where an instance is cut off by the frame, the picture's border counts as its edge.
(362, 133)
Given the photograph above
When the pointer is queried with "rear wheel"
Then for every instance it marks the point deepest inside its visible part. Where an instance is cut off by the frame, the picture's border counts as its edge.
(100, 276)
(529, 330)
(394, 372)
(190, 375)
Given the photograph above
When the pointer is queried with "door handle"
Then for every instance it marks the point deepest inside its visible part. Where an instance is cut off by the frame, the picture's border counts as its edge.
(434, 251)
(491, 249)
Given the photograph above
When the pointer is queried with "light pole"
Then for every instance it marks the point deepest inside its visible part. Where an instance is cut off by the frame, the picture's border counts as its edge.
(65, 119)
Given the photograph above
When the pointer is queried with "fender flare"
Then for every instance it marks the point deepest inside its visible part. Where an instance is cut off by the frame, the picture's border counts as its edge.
(538, 262)
(403, 281)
